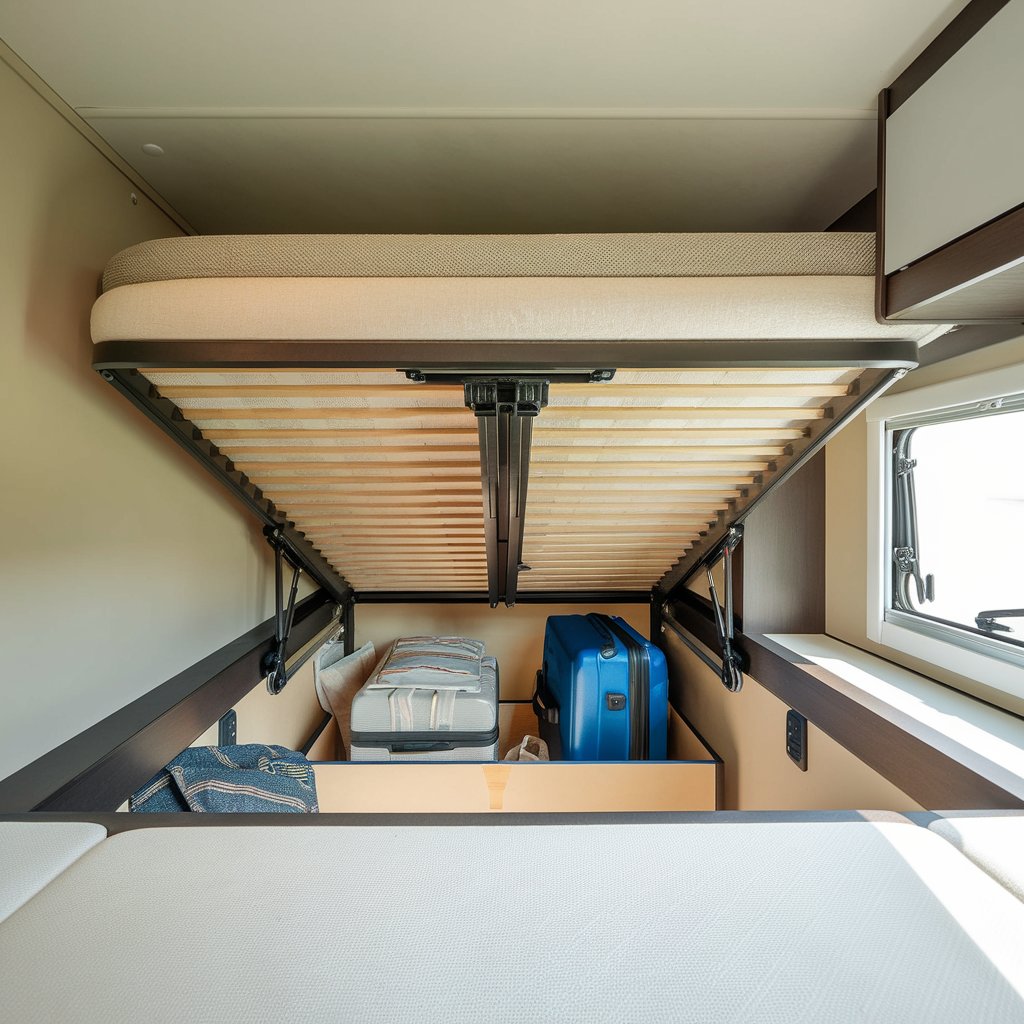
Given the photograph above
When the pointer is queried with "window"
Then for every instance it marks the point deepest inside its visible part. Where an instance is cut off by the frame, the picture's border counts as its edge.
(946, 579)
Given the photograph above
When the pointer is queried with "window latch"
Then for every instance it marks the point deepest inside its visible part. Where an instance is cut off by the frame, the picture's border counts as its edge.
(905, 550)
(987, 620)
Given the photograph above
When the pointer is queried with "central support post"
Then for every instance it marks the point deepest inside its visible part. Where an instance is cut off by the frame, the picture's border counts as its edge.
(505, 410)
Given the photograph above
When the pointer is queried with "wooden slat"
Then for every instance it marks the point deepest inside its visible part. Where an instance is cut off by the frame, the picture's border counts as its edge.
(386, 521)
(544, 430)
(584, 509)
(457, 545)
(748, 441)
(386, 505)
(238, 436)
(355, 483)
(477, 564)
(558, 390)
(398, 573)
(651, 565)
(378, 434)
(298, 502)
(542, 481)
(422, 469)
(676, 487)
(559, 531)
(284, 487)
(352, 532)
(611, 570)
(418, 558)
(332, 413)
(665, 521)
(550, 415)
(601, 548)
(545, 456)
(548, 450)
(395, 390)
(398, 578)
(708, 389)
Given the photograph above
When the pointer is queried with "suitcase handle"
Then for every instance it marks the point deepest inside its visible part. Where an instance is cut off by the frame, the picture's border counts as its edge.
(541, 709)
(597, 621)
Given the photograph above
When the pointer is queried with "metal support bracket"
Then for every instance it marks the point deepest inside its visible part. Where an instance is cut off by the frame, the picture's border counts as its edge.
(732, 661)
(273, 663)
(505, 410)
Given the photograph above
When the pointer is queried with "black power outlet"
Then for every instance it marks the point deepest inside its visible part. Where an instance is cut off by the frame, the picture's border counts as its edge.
(227, 731)
(796, 739)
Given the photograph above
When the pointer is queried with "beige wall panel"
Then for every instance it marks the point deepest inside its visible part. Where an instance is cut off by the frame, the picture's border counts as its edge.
(748, 731)
(515, 636)
(846, 512)
(287, 718)
(121, 562)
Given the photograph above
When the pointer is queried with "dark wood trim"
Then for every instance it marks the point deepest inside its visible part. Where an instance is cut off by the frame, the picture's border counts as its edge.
(931, 777)
(957, 266)
(118, 823)
(518, 356)
(962, 28)
(967, 339)
(481, 597)
(98, 769)
(881, 296)
(348, 620)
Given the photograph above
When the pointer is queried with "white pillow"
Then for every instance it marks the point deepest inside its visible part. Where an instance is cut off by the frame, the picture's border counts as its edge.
(338, 680)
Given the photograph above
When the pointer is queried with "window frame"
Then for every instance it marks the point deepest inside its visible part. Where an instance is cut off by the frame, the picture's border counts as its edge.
(994, 666)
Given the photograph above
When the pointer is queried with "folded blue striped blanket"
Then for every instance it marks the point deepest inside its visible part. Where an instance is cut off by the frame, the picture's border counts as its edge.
(249, 777)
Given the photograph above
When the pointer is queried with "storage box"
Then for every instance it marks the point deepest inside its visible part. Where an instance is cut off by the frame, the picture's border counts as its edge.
(688, 781)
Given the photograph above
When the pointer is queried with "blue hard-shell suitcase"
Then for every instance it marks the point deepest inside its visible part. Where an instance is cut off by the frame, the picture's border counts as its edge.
(602, 694)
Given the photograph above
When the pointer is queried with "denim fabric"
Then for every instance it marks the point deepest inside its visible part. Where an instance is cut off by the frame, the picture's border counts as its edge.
(249, 777)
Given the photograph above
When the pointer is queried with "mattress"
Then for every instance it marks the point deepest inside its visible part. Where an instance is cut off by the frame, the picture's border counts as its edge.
(720, 922)
(382, 475)
(472, 288)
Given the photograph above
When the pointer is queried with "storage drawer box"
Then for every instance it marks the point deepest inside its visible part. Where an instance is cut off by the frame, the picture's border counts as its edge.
(689, 781)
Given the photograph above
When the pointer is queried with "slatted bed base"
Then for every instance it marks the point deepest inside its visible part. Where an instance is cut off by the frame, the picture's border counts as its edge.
(377, 479)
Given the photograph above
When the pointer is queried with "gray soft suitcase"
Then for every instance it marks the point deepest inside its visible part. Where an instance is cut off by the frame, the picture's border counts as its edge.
(424, 723)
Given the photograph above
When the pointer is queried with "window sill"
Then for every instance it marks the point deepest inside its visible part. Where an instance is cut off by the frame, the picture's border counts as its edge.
(986, 741)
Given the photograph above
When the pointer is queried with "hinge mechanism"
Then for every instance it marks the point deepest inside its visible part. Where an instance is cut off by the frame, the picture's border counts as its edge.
(273, 664)
(732, 658)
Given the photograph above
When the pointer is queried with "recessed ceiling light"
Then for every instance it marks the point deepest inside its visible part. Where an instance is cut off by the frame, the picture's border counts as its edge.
(152, 149)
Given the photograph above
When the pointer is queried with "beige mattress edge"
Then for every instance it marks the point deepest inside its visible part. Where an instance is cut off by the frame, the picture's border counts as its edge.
(628, 254)
(498, 309)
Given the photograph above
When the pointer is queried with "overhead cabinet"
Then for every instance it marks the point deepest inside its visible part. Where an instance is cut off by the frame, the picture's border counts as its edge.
(952, 194)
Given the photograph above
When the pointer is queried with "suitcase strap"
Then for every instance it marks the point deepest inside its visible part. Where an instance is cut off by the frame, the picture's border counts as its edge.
(544, 705)
(442, 709)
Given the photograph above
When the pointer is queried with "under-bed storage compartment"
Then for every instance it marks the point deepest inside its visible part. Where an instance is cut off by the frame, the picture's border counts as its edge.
(688, 781)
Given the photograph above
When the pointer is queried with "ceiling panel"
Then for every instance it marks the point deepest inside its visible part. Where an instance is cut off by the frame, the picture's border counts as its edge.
(459, 116)
(464, 53)
(502, 175)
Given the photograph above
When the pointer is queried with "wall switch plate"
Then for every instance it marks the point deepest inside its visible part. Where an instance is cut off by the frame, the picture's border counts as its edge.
(227, 730)
(796, 739)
